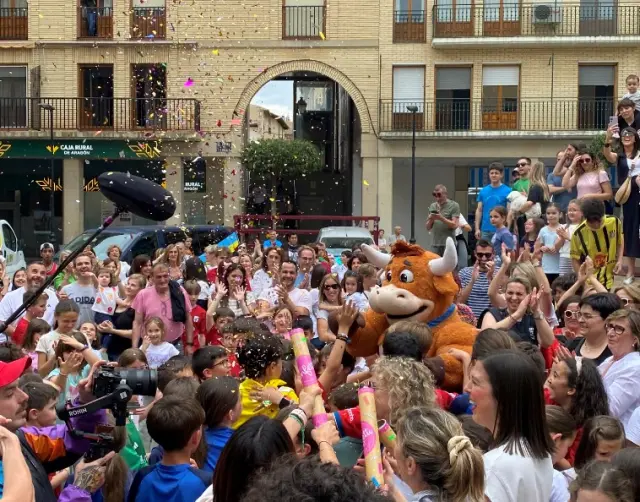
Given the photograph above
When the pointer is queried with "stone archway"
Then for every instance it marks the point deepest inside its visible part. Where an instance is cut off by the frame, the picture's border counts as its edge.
(313, 66)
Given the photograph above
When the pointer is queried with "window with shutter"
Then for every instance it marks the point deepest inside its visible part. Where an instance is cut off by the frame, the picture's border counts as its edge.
(453, 99)
(408, 90)
(13, 97)
(596, 96)
(500, 97)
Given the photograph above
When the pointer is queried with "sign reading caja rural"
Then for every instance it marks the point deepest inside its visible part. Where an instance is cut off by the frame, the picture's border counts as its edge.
(86, 149)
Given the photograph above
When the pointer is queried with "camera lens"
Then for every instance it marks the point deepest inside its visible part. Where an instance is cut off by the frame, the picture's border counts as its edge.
(141, 382)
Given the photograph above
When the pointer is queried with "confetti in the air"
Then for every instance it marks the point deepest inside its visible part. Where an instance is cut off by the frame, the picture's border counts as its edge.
(188, 82)
(215, 52)
(365, 183)
(322, 36)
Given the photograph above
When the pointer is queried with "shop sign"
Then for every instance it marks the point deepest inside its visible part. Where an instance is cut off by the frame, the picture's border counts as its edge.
(223, 147)
(85, 149)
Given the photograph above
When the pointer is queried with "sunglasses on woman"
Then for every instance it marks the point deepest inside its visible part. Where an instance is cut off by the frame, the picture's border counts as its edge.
(625, 301)
(571, 314)
(331, 286)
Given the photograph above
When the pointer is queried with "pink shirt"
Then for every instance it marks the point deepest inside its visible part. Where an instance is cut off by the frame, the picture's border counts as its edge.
(590, 182)
(150, 304)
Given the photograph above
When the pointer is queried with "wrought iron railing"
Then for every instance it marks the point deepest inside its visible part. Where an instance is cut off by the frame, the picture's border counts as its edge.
(116, 114)
(95, 22)
(149, 22)
(303, 22)
(409, 26)
(527, 115)
(14, 24)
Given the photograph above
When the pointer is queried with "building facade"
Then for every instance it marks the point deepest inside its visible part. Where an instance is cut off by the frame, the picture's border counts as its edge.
(148, 85)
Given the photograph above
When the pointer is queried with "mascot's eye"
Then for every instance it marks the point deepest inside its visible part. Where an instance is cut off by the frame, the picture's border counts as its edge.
(406, 276)
(388, 275)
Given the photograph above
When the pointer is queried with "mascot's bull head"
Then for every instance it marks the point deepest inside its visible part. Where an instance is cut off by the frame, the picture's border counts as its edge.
(417, 284)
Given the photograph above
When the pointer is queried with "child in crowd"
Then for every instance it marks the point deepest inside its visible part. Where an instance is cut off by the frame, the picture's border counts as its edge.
(602, 437)
(348, 449)
(41, 406)
(221, 317)
(498, 217)
(562, 428)
(368, 277)
(602, 482)
(90, 330)
(74, 360)
(106, 297)
(230, 341)
(262, 392)
(354, 290)
(35, 330)
(532, 228)
(175, 423)
(35, 311)
(66, 316)
(550, 242)
(209, 362)
(198, 316)
(574, 216)
(220, 397)
(632, 90)
(155, 348)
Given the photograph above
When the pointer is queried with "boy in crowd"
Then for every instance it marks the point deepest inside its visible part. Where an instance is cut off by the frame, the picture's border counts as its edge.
(175, 423)
(632, 90)
(599, 237)
(198, 316)
(35, 311)
(41, 406)
(222, 317)
(210, 361)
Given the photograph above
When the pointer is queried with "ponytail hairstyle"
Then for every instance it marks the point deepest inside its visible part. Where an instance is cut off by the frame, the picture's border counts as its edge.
(489, 341)
(590, 397)
(600, 428)
(117, 471)
(447, 460)
(559, 421)
(628, 461)
(604, 478)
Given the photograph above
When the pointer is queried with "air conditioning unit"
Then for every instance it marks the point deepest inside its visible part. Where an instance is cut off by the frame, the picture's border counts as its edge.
(547, 13)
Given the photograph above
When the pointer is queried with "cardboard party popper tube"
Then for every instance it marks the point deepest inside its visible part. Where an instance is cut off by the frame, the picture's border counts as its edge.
(307, 373)
(370, 438)
(387, 435)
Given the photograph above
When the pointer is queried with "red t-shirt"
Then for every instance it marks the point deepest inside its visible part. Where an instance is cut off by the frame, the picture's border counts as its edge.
(212, 275)
(213, 336)
(20, 331)
(234, 366)
(199, 318)
(53, 270)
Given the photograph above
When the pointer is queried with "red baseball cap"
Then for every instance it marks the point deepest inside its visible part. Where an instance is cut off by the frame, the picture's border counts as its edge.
(10, 372)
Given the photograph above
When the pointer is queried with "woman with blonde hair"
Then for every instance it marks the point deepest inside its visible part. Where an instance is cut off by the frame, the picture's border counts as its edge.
(629, 295)
(436, 459)
(538, 193)
(172, 258)
(587, 175)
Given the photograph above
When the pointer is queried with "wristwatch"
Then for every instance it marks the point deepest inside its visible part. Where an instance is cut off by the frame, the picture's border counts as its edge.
(343, 338)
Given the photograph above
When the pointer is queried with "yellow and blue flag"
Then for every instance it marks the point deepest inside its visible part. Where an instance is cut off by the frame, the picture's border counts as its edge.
(231, 242)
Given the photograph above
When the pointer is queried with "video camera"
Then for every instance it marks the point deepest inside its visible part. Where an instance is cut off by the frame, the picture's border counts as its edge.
(113, 389)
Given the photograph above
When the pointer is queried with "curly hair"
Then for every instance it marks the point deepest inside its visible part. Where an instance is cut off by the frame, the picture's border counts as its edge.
(590, 398)
(293, 480)
(408, 382)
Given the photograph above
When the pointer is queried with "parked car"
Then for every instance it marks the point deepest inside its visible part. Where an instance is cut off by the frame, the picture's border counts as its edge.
(9, 249)
(137, 240)
(337, 239)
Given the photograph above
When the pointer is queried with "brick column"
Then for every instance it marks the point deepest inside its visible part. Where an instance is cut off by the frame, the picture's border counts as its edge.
(175, 184)
(72, 198)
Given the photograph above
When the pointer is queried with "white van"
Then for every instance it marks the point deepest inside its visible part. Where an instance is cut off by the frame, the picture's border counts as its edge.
(13, 257)
(338, 239)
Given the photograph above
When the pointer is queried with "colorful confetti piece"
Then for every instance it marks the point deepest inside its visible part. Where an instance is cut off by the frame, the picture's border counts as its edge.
(188, 82)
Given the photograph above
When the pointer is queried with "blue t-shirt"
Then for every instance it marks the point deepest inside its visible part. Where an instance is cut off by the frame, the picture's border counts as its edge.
(267, 244)
(216, 439)
(490, 198)
(550, 261)
(169, 483)
(502, 236)
(561, 198)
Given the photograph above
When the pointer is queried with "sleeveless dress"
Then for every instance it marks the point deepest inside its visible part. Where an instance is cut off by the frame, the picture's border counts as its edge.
(630, 209)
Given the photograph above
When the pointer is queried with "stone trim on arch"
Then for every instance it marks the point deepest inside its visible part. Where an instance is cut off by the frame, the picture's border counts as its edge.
(306, 65)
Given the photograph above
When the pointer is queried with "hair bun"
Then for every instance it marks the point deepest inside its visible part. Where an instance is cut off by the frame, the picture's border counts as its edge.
(455, 445)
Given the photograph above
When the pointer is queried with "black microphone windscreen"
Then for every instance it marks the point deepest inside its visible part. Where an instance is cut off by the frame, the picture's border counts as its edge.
(137, 195)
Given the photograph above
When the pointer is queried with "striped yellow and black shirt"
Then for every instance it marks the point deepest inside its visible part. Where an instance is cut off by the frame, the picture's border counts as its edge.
(601, 245)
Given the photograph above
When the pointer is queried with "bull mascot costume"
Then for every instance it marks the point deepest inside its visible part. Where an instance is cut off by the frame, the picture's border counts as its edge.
(417, 286)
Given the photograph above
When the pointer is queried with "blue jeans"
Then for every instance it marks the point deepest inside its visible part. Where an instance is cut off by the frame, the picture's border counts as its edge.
(92, 22)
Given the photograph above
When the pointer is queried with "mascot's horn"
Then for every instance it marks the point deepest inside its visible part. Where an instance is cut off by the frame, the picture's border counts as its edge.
(442, 266)
(375, 257)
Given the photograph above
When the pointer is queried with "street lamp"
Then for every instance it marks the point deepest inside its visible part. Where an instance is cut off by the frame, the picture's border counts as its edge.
(49, 108)
(413, 109)
(301, 106)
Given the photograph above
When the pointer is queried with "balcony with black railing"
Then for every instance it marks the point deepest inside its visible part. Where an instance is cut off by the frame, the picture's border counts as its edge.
(540, 19)
(518, 115)
(409, 26)
(149, 23)
(303, 22)
(101, 114)
(95, 22)
(14, 24)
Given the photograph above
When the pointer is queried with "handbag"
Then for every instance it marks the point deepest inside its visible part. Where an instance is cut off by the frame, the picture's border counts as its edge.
(623, 193)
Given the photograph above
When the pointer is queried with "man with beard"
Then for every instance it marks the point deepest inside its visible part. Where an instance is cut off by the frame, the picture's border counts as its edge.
(36, 275)
(475, 280)
(297, 300)
(49, 449)
(562, 196)
(306, 260)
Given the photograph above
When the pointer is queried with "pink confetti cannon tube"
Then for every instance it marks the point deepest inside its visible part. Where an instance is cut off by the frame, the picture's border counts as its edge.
(387, 435)
(370, 438)
(307, 373)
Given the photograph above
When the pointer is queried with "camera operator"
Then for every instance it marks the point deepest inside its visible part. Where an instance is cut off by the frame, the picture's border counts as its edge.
(50, 449)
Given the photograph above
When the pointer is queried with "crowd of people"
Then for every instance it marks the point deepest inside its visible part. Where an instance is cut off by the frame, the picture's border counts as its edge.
(549, 409)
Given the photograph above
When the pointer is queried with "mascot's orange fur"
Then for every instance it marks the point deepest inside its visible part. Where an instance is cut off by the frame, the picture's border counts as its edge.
(418, 285)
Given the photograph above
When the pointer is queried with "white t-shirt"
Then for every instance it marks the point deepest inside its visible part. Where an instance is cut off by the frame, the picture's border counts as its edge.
(632, 429)
(514, 478)
(47, 343)
(105, 302)
(124, 271)
(85, 297)
(157, 355)
(13, 300)
(559, 487)
(299, 297)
